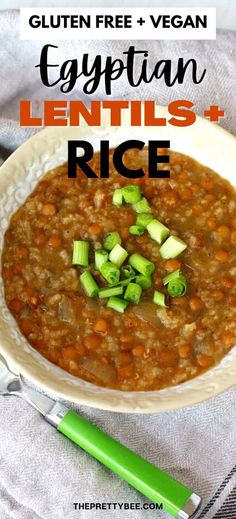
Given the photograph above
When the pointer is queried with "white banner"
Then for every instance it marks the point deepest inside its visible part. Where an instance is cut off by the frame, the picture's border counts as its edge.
(113, 23)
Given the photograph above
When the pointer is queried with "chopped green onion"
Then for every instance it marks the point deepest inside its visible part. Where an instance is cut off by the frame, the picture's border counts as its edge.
(158, 231)
(117, 304)
(101, 256)
(80, 253)
(141, 264)
(127, 271)
(125, 282)
(177, 283)
(144, 281)
(176, 274)
(89, 284)
(142, 206)
(177, 287)
(159, 298)
(131, 194)
(117, 198)
(133, 293)
(118, 255)
(143, 219)
(111, 273)
(111, 239)
(136, 230)
(109, 292)
(172, 247)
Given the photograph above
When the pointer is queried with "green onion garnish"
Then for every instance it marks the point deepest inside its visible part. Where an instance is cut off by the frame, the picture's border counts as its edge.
(159, 298)
(101, 256)
(177, 287)
(127, 271)
(117, 198)
(131, 194)
(117, 304)
(158, 231)
(80, 253)
(125, 282)
(141, 264)
(109, 292)
(89, 284)
(172, 247)
(144, 281)
(143, 219)
(176, 283)
(173, 275)
(142, 206)
(133, 292)
(111, 239)
(111, 273)
(118, 255)
(136, 230)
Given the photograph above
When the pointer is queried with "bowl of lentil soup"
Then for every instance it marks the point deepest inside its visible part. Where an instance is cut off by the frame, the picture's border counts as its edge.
(158, 352)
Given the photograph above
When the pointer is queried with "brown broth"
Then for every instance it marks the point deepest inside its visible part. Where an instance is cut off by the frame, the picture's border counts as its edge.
(147, 347)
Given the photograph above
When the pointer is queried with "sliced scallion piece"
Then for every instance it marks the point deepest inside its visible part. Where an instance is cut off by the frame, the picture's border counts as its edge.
(89, 284)
(131, 194)
(142, 206)
(111, 239)
(143, 219)
(173, 275)
(125, 282)
(127, 271)
(177, 287)
(110, 272)
(136, 230)
(101, 256)
(117, 304)
(118, 255)
(117, 198)
(159, 298)
(172, 247)
(158, 231)
(141, 264)
(110, 291)
(144, 281)
(133, 292)
(80, 253)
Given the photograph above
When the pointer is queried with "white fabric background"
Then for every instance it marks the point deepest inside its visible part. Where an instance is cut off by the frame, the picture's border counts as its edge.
(41, 472)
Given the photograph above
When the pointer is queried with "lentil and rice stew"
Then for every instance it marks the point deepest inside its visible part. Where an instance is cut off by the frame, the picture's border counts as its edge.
(148, 346)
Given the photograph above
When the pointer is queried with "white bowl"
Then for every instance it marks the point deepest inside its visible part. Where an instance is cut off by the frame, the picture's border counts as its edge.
(205, 142)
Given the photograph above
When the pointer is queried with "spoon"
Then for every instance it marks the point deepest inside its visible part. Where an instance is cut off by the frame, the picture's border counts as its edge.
(160, 488)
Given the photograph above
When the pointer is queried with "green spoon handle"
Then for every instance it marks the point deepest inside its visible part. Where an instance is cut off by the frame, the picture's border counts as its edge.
(160, 488)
